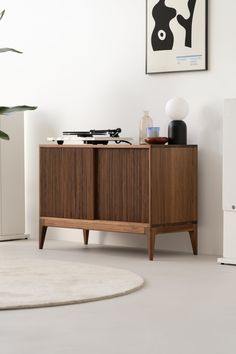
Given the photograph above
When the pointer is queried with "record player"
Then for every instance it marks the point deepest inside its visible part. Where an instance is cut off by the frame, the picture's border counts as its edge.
(92, 136)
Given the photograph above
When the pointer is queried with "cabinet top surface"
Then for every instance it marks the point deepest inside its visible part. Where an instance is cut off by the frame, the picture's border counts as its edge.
(118, 146)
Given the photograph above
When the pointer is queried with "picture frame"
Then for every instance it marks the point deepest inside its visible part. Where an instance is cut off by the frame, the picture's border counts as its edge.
(176, 36)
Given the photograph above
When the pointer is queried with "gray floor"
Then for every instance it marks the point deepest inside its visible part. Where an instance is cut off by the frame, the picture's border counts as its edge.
(187, 306)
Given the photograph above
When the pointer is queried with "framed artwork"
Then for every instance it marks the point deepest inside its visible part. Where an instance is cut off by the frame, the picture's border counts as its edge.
(176, 35)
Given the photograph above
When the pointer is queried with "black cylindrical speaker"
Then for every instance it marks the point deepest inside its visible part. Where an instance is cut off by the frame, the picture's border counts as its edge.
(177, 132)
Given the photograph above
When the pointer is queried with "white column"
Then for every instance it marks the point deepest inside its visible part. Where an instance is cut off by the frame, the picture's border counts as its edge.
(12, 181)
(229, 182)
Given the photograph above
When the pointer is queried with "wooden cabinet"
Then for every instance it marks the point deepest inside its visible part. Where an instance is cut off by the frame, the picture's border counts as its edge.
(143, 189)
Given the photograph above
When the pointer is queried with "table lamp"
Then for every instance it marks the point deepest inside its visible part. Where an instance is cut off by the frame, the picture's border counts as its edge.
(177, 109)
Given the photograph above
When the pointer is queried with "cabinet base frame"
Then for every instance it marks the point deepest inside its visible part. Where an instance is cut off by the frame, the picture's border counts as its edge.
(151, 231)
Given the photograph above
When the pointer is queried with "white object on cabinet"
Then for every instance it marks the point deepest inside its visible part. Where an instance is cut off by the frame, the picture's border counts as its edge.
(229, 182)
(12, 180)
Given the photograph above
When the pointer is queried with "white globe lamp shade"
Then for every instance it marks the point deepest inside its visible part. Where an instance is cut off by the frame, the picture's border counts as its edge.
(177, 108)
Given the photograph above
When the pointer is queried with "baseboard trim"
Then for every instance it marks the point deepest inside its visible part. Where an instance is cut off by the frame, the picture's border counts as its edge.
(226, 260)
(14, 237)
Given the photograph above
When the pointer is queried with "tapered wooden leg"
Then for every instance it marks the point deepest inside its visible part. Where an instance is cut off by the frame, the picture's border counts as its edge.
(42, 235)
(194, 239)
(151, 242)
(86, 236)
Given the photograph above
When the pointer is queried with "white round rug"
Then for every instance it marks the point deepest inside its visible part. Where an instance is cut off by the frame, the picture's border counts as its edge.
(27, 283)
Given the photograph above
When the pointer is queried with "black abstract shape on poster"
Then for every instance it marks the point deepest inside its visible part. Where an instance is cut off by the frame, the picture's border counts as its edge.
(162, 36)
(187, 23)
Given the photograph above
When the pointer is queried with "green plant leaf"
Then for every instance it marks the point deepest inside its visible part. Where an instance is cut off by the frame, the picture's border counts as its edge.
(4, 135)
(2, 14)
(6, 110)
(3, 50)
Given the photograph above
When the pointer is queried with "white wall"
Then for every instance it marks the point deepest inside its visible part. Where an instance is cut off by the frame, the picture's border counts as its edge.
(84, 64)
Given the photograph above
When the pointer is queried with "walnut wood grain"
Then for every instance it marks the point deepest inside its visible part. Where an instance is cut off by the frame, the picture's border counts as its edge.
(51, 197)
(67, 183)
(151, 236)
(129, 189)
(86, 236)
(194, 239)
(122, 192)
(170, 228)
(173, 185)
(99, 225)
(42, 234)
(152, 232)
(85, 184)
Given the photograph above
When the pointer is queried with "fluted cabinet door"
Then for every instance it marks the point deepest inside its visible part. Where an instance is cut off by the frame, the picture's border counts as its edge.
(122, 185)
(173, 176)
(67, 183)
